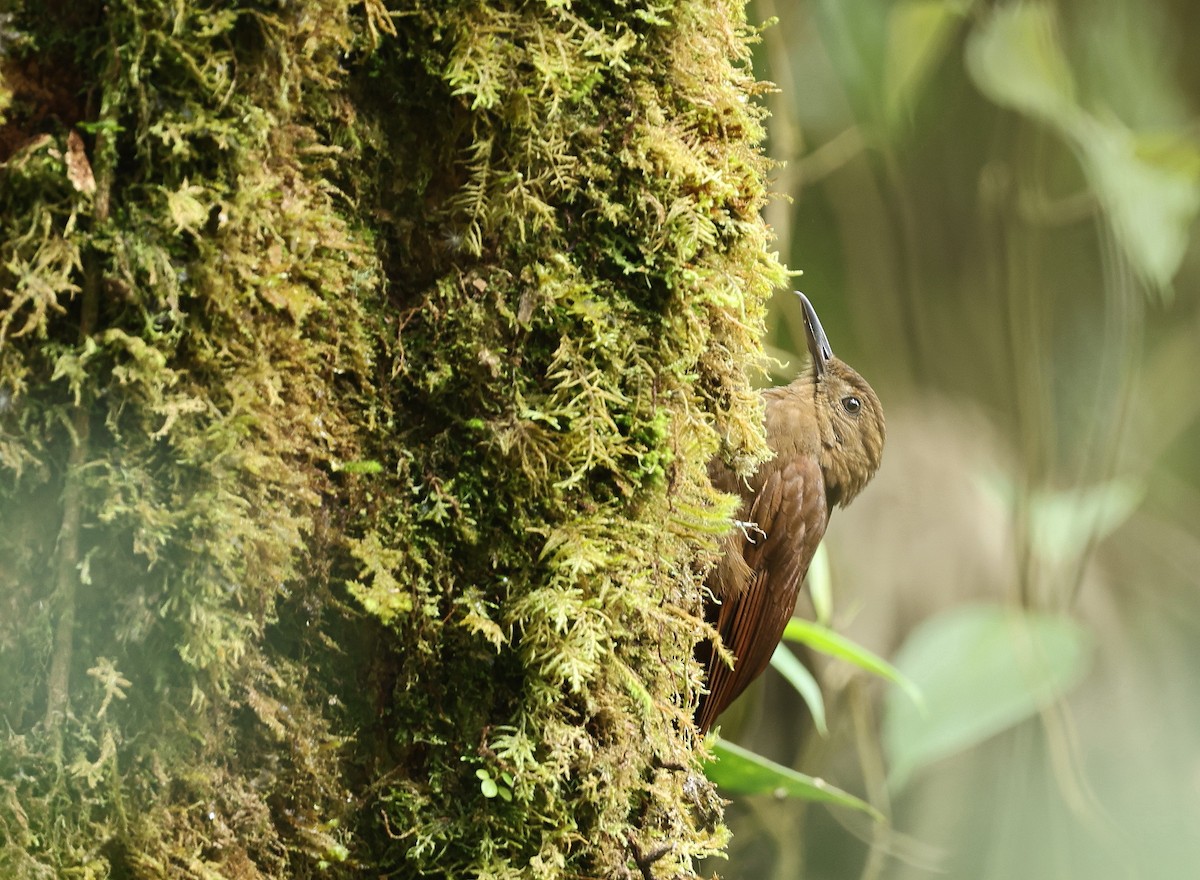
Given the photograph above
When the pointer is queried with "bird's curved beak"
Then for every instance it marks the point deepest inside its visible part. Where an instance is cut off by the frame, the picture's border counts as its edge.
(818, 342)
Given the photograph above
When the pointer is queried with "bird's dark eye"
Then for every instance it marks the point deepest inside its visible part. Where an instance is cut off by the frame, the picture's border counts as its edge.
(851, 404)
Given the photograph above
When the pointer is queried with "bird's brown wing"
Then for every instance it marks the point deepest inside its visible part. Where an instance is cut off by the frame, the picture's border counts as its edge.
(792, 511)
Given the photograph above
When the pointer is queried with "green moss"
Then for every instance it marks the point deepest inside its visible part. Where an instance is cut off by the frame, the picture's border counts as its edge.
(407, 334)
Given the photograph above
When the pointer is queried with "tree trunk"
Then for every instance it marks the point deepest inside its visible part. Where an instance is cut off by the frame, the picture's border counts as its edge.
(359, 368)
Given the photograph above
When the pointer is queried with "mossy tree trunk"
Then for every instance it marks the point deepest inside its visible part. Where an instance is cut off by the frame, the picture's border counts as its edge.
(359, 365)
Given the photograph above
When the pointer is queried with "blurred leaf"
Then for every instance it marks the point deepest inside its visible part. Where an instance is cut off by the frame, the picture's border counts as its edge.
(854, 34)
(1062, 524)
(1150, 192)
(741, 771)
(918, 36)
(1015, 59)
(1171, 153)
(820, 585)
(798, 676)
(1149, 187)
(981, 669)
(825, 640)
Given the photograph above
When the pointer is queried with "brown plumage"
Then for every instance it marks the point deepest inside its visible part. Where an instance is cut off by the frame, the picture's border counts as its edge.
(826, 429)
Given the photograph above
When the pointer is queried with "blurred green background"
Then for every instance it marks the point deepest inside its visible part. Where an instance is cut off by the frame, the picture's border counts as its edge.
(993, 207)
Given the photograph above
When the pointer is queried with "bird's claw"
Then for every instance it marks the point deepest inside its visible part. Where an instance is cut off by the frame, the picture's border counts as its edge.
(750, 530)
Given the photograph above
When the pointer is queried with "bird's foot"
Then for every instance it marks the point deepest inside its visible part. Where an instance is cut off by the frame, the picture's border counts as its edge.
(751, 531)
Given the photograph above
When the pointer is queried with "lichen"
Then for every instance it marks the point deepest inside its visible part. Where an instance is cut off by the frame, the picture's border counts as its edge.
(378, 367)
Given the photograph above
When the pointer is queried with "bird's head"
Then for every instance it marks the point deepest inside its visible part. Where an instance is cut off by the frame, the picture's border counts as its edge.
(848, 415)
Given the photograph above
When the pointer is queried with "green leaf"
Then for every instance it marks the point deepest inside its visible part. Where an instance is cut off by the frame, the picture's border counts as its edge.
(918, 36)
(1015, 59)
(1148, 186)
(741, 771)
(108, 126)
(802, 680)
(820, 585)
(981, 669)
(1151, 196)
(1062, 524)
(487, 785)
(366, 466)
(854, 35)
(825, 640)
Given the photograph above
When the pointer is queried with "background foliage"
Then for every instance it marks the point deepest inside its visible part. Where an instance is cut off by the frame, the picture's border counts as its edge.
(994, 206)
(359, 367)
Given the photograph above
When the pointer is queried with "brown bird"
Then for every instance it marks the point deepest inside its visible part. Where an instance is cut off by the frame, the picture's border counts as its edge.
(826, 430)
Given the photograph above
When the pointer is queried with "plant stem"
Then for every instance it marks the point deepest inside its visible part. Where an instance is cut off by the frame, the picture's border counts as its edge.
(66, 577)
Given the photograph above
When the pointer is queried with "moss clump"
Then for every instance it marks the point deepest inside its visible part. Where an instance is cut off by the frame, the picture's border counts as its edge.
(359, 365)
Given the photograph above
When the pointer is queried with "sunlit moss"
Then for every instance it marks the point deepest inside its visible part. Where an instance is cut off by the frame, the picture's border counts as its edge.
(509, 256)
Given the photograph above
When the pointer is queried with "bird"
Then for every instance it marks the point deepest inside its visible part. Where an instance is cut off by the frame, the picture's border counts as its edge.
(826, 430)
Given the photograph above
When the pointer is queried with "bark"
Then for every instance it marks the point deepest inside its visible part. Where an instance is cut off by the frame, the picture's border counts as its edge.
(359, 366)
